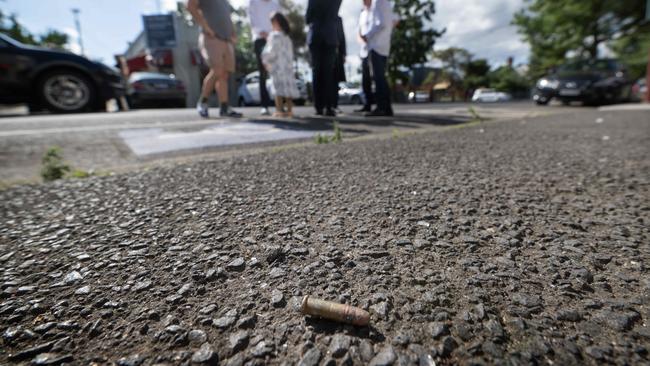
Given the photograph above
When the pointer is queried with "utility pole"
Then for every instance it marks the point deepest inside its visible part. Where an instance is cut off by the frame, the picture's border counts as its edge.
(75, 14)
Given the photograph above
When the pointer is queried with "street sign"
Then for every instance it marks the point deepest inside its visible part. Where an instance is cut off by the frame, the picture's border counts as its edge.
(160, 31)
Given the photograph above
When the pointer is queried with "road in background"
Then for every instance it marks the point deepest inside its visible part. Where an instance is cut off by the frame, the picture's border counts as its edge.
(118, 141)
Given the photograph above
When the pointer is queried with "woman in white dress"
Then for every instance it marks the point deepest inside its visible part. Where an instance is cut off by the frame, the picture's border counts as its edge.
(278, 60)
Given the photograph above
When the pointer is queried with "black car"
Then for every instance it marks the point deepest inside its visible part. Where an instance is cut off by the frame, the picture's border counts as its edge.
(156, 90)
(55, 80)
(599, 81)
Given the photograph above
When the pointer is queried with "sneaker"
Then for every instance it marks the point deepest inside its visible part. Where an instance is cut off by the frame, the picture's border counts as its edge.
(230, 113)
(363, 110)
(202, 108)
(330, 112)
(265, 112)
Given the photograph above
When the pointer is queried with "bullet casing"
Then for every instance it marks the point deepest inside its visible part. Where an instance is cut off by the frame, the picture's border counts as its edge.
(334, 311)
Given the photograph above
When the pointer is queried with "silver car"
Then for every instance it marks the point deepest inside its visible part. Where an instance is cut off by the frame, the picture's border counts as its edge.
(249, 90)
(350, 94)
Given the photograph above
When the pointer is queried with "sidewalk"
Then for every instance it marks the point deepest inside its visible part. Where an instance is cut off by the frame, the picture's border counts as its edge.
(512, 242)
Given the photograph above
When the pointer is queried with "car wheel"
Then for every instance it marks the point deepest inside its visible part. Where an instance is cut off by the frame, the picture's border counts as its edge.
(355, 100)
(540, 102)
(66, 92)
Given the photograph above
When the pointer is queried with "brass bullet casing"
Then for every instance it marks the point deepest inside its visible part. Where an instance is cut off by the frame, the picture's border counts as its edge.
(334, 311)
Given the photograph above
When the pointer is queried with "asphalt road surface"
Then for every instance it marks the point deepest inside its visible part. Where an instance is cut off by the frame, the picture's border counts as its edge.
(107, 142)
(518, 242)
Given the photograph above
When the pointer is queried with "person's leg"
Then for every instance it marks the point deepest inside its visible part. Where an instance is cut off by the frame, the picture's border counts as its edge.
(209, 83)
(379, 76)
(366, 83)
(329, 58)
(227, 58)
(334, 96)
(317, 81)
(289, 109)
(264, 92)
(278, 106)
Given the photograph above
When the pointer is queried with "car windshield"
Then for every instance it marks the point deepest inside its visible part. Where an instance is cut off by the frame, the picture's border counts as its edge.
(590, 65)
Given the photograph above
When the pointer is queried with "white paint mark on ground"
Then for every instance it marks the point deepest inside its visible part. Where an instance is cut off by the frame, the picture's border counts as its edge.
(156, 140)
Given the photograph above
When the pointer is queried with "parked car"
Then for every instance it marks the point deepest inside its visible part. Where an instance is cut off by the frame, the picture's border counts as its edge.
(249, 90)
(490, 96)
(59, 81)
(419, 96)
(598, 81)
(350, 94)
(639, 90)
(155, 89)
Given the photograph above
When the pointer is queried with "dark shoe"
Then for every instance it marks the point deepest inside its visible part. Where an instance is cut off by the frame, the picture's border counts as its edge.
(319, 112)
(330, 112)
(378, 113)
(363, 110)
(230, 113)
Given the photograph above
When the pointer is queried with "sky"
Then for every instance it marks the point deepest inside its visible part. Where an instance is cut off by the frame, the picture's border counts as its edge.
(481, 26)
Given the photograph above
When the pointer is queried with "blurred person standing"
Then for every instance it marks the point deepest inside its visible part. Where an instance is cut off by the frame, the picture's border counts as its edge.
(278, 60)
(366, 77)
(259, 14)
(376, 32)
(323, 40)
(217, 43)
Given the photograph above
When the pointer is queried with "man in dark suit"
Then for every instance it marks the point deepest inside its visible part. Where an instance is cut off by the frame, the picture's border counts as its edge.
(323, 40)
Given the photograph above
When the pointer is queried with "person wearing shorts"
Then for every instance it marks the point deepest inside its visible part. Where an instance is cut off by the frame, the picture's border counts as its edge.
(217, 44)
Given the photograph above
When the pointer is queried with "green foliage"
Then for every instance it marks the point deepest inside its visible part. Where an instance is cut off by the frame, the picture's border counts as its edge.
(244, 49)
(80, 174)
(633, 51)
(476, 117)
(295, 14)
(555, 28)
(10, 26)
(413, 38)
(335, 138)
(476, 74)
(52, 165)
(54, 39)
(507, 79)
(338, 134)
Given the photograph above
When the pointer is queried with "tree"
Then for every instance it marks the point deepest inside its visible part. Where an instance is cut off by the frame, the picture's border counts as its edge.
(476, 74)
(553, 28)
(244, 49)
(413, 38)
(633, 50)
(507, 79)
(12, 27)
(453, 61)
(54, 39)
(296, 16)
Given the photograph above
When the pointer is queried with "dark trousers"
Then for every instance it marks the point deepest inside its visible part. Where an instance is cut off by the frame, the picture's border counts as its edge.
(323, 56)
(264, 93)
(366, 82)
(381, 84)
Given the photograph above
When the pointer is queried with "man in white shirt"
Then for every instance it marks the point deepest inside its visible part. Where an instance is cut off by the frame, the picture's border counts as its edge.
(259, 13)
(376, 32)
(366, 78)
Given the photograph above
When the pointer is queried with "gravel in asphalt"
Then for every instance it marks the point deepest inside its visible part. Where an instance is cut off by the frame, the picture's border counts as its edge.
(521, 242)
